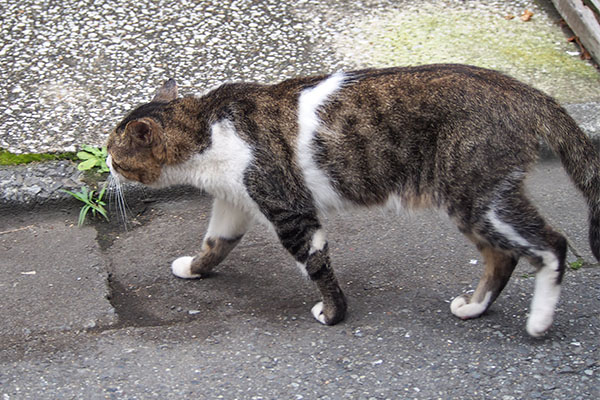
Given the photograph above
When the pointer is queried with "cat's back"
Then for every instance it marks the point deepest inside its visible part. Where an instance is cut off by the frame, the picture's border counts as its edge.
(365, 134)
(373, 132)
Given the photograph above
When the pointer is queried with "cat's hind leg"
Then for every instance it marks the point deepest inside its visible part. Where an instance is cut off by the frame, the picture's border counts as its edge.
(546, 250)
(499, 266)
(550, 264)
(513, 226)
(227, 226)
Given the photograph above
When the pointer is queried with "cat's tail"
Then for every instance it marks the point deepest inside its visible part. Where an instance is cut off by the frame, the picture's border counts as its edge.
(580, 159)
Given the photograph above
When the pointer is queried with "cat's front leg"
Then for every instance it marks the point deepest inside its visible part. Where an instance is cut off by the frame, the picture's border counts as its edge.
(312, 256)
(227, 226)
(289, 206)
(332, 308)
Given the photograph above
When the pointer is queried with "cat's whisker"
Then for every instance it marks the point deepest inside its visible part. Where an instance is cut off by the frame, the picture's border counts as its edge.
(124, 209)
(117, 199)
(110, 190)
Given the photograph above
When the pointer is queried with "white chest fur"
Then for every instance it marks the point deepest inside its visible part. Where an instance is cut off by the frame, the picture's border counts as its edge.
(219, 170)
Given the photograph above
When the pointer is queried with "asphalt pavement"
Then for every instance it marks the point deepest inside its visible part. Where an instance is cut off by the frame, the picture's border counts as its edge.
(94, 312)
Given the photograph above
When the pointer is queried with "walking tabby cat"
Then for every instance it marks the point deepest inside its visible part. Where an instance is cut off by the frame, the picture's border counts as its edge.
(455, 137)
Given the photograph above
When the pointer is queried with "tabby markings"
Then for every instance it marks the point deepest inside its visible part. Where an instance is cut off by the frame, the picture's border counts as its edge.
(318, 242)
(308, 124)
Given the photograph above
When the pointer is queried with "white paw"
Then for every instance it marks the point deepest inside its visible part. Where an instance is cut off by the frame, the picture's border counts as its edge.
(465, 310)
(317, 312)
(456, 304)
(182, 268)
(538, 323)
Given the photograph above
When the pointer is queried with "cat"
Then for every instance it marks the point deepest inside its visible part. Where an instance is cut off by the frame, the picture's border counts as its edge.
(456, 137)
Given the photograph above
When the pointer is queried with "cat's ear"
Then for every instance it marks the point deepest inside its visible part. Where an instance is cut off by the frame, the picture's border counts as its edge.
(140, 131)
(167, 92)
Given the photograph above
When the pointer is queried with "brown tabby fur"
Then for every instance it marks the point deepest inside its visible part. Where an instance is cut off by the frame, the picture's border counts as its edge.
(455, 137)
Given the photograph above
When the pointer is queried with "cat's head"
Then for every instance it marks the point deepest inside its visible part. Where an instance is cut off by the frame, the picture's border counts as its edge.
(148, 139)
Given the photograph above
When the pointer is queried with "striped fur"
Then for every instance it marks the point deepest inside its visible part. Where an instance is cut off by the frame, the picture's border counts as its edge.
(455, 137)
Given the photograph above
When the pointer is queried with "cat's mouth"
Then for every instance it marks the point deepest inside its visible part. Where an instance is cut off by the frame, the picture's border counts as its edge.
(113, 172)
(120, 177)
(124, 175)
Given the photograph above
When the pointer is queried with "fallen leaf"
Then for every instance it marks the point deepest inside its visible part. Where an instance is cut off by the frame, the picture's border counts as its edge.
(526, 16)
(585, 55)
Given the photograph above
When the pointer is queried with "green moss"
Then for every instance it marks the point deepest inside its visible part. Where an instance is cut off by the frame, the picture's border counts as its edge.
(8, 158)
(535, 52)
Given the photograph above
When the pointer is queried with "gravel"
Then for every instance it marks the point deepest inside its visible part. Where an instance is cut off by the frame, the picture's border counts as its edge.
(72, 69)
(489, 34)
(38, 183)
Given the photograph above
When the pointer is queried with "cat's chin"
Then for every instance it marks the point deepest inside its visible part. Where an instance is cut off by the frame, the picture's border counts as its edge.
(156, 185)
(121, 180)
(160, 183)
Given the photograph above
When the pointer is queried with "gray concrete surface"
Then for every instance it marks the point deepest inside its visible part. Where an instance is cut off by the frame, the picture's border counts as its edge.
(70, 70)
(58, 284)
(246, 332)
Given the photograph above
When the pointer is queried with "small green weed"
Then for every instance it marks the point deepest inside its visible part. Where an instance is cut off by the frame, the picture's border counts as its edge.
(92, 158)
(92, 202)
(577, 264)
